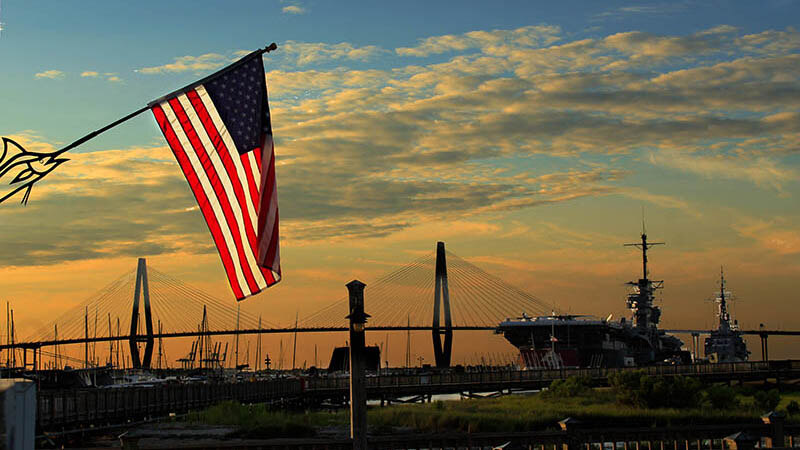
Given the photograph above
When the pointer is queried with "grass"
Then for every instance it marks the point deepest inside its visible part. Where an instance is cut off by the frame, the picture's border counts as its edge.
(522, 413)
(510, 413)
(261, 421)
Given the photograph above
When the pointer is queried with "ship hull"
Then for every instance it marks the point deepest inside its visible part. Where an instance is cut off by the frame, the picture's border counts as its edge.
(545, 342)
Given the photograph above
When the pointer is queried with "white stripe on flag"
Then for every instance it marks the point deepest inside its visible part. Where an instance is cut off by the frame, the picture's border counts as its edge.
(209, 191)
(237, 162)
(227, 184)
(226, 138)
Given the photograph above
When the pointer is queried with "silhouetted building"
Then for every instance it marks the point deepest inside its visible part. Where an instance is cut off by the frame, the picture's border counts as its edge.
(340, 359)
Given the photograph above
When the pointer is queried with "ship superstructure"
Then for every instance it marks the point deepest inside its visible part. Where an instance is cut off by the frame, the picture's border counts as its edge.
(725, 344)
(586, 341)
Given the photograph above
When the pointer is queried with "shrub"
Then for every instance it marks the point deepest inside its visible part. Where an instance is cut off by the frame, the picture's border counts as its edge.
(767, 400)
(721, 397)
(627, 386)
(793, 407)
(637, 389)
(571, 387)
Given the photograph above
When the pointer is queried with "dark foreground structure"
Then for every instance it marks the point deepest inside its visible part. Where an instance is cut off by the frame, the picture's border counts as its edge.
(771, 432)
(75, 410)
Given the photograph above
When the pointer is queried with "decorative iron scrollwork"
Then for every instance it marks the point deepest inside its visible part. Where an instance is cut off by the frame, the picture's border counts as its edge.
(20, 169)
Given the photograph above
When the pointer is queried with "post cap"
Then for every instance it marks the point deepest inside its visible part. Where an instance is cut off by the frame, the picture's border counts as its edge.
(355, 283)
(741, 437)
(568, 423)
(772, 417)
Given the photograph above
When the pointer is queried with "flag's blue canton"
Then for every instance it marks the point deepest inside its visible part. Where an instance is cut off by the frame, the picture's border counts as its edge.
(240, 96)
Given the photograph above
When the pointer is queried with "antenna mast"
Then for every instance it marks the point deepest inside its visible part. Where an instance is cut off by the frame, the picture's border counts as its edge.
(645, 314)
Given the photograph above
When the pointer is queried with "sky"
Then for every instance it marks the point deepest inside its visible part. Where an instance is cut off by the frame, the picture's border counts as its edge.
(529, 136)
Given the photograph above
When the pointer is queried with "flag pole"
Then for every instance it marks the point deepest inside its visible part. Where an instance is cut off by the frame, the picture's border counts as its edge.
(94, 134)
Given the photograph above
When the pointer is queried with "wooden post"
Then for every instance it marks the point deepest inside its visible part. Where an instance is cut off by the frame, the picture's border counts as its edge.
(775, 420)
(570, 428)
(358, 391)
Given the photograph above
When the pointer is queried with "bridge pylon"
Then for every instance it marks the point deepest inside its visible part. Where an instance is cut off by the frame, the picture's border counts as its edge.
(142, 290)
(442, 353)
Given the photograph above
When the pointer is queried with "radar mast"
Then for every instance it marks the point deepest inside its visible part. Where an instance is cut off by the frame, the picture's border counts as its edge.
(722, 300)
(645, 313)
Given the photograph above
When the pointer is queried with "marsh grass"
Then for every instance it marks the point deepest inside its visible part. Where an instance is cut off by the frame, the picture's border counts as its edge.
(261, 421)
(510, 413)
(521, 413)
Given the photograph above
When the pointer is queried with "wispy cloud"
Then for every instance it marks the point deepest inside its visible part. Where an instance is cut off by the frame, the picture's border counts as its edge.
(304, 53)
(468, 137)
(642, 10)
(529, 36)
(109, 76)
(774, 235)
(664, 201)
(51, 74)
(294, 9)
(762, 171)
(208, 61)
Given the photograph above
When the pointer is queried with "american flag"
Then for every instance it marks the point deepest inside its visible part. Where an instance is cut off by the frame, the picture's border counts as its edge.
(220, 132)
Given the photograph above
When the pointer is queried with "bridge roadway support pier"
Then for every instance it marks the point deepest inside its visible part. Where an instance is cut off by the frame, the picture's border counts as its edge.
(764, 347)
(442, 353)
(143, 290)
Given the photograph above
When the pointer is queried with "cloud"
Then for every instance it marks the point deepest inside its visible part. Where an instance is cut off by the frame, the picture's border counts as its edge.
(473, 136)
(529, 36)
(208, 61)
(51, 74)
(664, 201)
(135, 201)
(292, 54)
(641, 10)
(103, 204)
(109, 76)
(771, 42)
(305, 53)
(645, 45)
(294, 9)
(772, 235)
(761, 171)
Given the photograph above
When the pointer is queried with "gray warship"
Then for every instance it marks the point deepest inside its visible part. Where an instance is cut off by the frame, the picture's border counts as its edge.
(725, 344)
(567, 340)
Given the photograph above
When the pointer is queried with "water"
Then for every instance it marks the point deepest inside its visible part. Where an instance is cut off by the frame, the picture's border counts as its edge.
(455, 397)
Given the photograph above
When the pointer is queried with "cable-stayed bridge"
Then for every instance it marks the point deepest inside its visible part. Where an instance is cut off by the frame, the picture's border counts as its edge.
(439, 292)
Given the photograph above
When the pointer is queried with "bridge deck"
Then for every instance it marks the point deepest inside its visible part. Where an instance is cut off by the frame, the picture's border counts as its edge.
(256, 331)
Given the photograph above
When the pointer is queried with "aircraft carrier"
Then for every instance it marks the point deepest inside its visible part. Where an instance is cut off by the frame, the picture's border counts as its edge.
(567, 340)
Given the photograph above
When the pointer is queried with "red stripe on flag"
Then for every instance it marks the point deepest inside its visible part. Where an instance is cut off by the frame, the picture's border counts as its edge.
(200, 196)
(266, 256)
(273, 244)
(252, 183)
(268, 276)
(257, 154)
(225, 155)
(219, 190)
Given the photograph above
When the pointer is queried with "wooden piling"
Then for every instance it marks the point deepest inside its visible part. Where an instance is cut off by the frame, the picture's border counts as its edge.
(358, 390)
